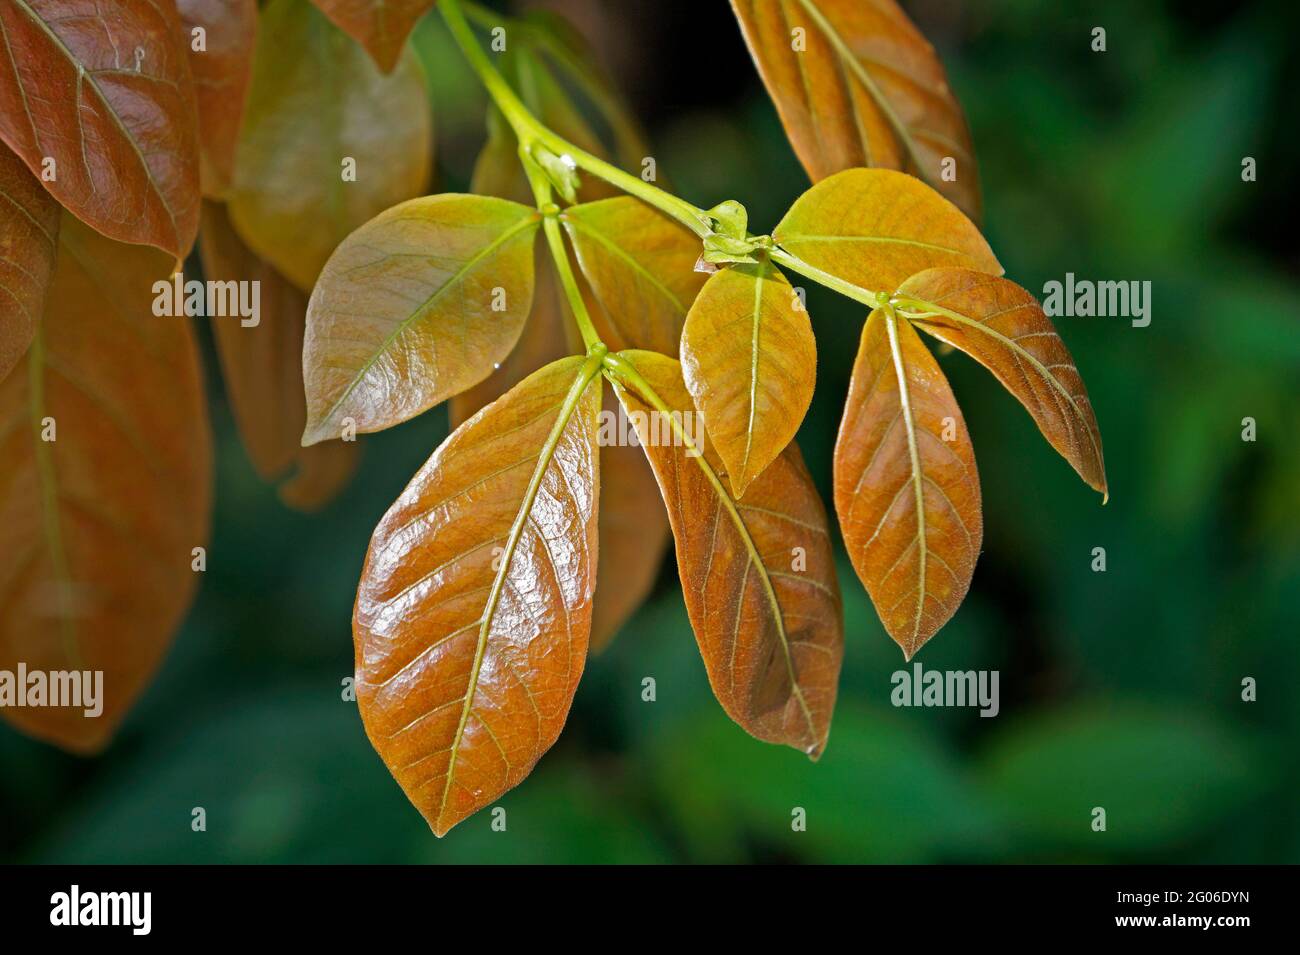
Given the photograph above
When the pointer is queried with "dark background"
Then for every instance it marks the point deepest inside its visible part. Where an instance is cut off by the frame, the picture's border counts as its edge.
(1119, 689)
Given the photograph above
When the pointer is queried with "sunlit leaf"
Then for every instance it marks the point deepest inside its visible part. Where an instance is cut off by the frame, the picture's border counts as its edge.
(474, 609)
(97, 100)
(222, 69)
(328, 142)
(906, 490)
(29, 228)
(750, 362)
(106, 486)
(874, 227)
(856, 84)
(262, 368)
(381, 26)
(416, 306)
(758, 575)
(1002, 327)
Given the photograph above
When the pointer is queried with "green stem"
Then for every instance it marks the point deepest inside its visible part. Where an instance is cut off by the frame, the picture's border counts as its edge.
(848, 289)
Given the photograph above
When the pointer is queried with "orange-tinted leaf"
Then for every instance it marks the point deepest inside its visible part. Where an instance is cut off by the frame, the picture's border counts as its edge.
(221, 70)
(640, 266)
(104, 92)
(417, 305)
(474, 608)
(864, 88)
(381, 26)
(758, 575)
(327, 143)
(750, 362)
(1004, 328)
(29, 228)
(875, 227)
(633, 536)
(97, 525)
(906, 489)
(262, 368)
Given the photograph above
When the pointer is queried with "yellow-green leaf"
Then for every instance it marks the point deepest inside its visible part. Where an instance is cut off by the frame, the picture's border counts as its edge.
(417, 305)
(328, 141)
(750, 362)
(873, 228)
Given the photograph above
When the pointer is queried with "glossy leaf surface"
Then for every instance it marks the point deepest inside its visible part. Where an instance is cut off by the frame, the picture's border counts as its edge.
(474, 609)
(104, 92)
(261, 366)
(858, 85)
(758, 576)
(874, 227)
(222, 70)
(97, 524)
(750, 363)
(640, 266)
(29, 229)
(381, 26)
(416, 306)
(318, 110)
(1004, 328)
(906, 489)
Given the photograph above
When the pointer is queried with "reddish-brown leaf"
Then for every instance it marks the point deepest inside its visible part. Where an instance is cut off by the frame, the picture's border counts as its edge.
(97, 526)
(474, 608)
(865, 89)
(906, 489)
(758, 574)
(1004, 328)
(222, 69)
(381, 26)
(29, 228)
(104, 92)
(262, 368)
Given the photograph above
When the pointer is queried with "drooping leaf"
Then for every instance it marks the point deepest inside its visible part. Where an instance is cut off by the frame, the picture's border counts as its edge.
(856, 84)
(750, 362)
(906, 489)
(222, 69)
(874, 227)
(99, 104)
(640, 266)
(262, 368)
(106, 484)
(474, 609)
(758, 574)
(381, 26)
(417, 305)
(327, 142)
(29, 228)
(1004, 328)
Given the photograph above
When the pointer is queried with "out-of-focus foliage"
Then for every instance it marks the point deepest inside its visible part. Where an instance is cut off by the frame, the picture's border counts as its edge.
(1119, 689)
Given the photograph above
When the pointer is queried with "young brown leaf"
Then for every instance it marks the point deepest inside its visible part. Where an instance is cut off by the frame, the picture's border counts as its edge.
(875, 227)
(474, 607)
(29, 228)
(1004, 328)
(417, 305)
(98, 102)
(262, 368)
(327, 142)
(640, 266)
(106, 484)
(758, 574)
(750, 362)
(381, 26)
(906, 489)
(859, 85)
(222, 70)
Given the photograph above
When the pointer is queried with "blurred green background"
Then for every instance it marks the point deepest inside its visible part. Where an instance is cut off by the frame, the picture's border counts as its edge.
(1119, 689)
